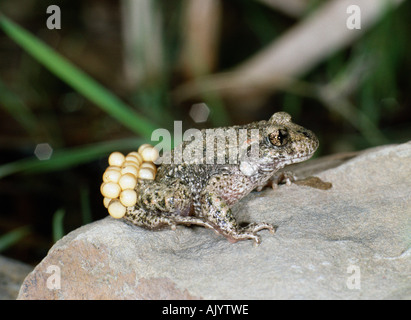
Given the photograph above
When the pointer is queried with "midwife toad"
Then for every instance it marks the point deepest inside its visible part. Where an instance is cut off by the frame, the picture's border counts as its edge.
(202, 193)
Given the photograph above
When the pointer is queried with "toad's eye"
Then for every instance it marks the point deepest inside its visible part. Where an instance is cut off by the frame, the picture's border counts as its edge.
(278, 138)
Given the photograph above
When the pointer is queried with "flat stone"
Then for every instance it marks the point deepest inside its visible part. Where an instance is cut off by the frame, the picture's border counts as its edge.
(12, 274)
(348, 242)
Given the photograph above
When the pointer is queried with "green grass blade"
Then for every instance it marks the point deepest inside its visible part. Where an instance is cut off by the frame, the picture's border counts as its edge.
(66, 158)
(12, 237)
(77, 79)
(58, 227)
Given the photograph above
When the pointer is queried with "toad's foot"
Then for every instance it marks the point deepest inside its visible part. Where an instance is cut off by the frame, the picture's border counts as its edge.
(286, 177)
(244, 236)
(233, 235)
(255, 227)
(250, 232)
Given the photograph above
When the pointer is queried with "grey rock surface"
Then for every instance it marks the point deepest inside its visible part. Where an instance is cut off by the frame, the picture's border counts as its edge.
(12, 274)
(349, 242)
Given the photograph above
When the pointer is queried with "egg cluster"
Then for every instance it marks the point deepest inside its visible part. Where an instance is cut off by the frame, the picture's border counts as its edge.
(120, 178)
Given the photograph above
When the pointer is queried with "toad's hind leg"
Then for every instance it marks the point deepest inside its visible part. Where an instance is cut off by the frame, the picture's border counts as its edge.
(142, 218)
(159, 205)
(171, 199)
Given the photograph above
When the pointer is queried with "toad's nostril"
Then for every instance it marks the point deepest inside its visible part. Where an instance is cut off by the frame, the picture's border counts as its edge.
(305, 133)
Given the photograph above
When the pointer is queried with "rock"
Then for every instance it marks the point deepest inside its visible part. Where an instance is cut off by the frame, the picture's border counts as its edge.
(12, 274)
(348, 242)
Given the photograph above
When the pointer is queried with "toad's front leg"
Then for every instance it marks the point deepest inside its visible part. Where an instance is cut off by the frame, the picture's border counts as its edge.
(278, 178)
(218, 214)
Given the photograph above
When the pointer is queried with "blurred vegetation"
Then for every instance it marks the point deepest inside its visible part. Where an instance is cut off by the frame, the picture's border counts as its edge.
(87, 90)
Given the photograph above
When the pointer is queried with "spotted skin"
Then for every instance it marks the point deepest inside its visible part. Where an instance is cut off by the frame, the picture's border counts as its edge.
(203, 193)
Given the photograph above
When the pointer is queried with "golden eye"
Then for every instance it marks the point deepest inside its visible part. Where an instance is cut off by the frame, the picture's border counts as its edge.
(278, 138)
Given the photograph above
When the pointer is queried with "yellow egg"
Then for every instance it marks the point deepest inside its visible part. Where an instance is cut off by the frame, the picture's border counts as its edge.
(129, 169)
(110, 190)
(113, 168)
(143, 146)
(111, 175)
(116, 159)
(134, 159)
(146, 173)
(137, 155)
(149, 165)
(101, 187)
(130, 163)
(106, 201)
(149, 154)
(128, 197)
(116, 209)
(127, 181)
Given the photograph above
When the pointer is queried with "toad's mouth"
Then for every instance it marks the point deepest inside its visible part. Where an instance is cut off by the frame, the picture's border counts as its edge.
(301, 158)
(296, 159)
(281, 163)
